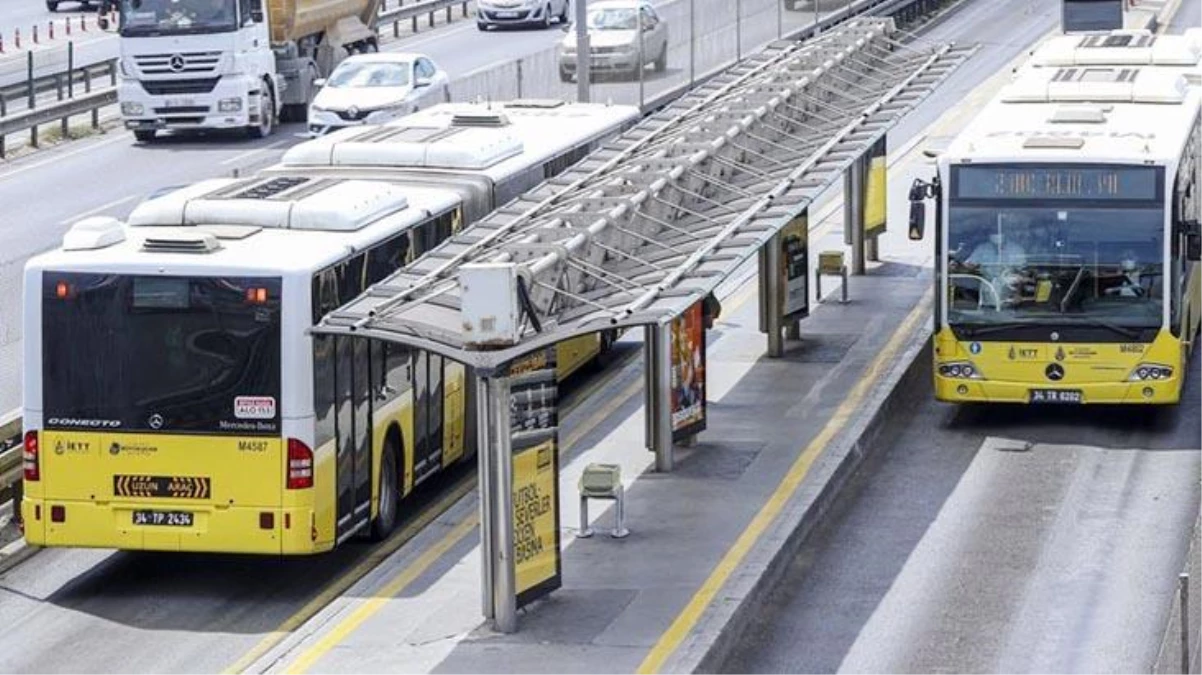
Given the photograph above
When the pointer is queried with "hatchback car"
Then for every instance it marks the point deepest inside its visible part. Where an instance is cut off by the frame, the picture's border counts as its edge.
(376, 88)
(614, 41)
(542, 13)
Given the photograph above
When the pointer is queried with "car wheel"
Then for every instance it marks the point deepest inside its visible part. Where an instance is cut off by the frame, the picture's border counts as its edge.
(266, 115)
(564, 75)
(661, 61)
(563, 16)
(52, 5)
(547, 16)
(369, 47)
(481, 26)
(144, 135)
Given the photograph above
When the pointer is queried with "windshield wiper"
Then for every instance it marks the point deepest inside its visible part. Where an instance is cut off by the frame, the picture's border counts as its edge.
(975, 330)
(1129, 333)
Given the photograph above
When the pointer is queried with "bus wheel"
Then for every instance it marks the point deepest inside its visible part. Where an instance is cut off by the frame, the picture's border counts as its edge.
(385, 520)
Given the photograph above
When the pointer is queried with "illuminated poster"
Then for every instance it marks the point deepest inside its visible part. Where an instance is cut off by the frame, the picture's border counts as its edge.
(795, 267)
(688, 374)
(534, 431)
(875, 189)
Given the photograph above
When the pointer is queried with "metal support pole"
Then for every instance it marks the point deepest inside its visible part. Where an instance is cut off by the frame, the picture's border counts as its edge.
(582, 52)
(780, 19)
(504, 589)
(585, 531)
(663, 398)
(817, 18)
(692, 43)
(642, 61)
(519, 78)
(853, 212)
(649, 371)
(762, 292)
(772, 291)
(738, 30)
(484, 459)
(872, 251)
(1183, 590)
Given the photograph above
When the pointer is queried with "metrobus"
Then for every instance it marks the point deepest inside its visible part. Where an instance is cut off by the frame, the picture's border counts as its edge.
(173, 398)
(1068, 228)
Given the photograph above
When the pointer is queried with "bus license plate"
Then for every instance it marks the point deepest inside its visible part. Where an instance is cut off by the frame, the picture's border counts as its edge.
(1056, 396)
(167, 518)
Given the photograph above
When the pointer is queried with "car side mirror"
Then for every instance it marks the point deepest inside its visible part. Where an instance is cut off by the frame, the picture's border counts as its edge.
(319, 83)
(422, 82)
(256, 14)
(918, 219)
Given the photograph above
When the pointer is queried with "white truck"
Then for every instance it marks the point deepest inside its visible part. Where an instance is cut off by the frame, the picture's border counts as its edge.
(229, 64)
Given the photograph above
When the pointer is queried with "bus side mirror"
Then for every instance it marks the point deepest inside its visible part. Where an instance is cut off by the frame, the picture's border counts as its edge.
(918, 219)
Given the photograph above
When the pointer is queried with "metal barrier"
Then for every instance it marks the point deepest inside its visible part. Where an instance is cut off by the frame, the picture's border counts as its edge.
(413, 11)
(65, 104)
(10, 454)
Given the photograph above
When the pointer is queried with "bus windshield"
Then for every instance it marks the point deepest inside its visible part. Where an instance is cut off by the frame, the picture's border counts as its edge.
(1073, 264)
(177, 17)
(161, 354)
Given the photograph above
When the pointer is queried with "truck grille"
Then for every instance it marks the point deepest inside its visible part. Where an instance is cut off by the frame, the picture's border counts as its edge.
(183, 62)
(182, 110)
(169, 87)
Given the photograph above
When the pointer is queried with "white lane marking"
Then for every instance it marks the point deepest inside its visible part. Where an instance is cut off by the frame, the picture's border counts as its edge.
(251, 153)
(119, 135)
(99, 209)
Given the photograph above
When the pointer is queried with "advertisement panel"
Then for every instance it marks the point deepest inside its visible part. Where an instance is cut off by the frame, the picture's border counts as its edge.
(795, 267)
(876, 189)
(688, 373)
(534, 441)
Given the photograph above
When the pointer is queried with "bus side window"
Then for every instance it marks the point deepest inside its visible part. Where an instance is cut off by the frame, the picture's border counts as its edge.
(397, 376)
(352, 278)
(323, 389)
(387, 257)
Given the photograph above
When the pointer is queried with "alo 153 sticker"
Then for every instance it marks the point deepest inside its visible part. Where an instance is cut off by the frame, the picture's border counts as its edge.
(254, 407)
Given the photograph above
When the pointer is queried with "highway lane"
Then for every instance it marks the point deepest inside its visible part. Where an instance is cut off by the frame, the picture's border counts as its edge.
(1188, 16)
(952, 553)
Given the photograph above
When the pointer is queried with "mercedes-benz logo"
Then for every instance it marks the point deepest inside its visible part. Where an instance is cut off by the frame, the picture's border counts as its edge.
(1055, 372)
(176, 63)
(155, 421)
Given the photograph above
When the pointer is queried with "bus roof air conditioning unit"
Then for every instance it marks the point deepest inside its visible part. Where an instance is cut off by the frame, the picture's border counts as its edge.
(479, 119)
(181, 240)
(93, 233)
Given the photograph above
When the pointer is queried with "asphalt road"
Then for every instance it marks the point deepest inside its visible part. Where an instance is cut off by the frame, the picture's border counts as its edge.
(961, 548)
(1189, 16)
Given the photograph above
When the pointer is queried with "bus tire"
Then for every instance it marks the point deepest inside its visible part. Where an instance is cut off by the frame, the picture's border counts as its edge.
(390, 496)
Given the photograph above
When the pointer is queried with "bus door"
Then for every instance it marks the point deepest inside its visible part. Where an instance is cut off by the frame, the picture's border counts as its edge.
(353, 472)
(427, 415)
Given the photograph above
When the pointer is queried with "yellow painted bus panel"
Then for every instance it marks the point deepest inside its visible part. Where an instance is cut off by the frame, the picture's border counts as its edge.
(454, 409)
(324, 494)
(1100, 371)
(574, 353)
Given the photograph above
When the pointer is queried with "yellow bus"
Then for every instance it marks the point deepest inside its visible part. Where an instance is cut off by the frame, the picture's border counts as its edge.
(173, 398)
(1068, 229)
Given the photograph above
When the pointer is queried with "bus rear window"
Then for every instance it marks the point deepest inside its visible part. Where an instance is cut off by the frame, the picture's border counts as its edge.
(161, 354)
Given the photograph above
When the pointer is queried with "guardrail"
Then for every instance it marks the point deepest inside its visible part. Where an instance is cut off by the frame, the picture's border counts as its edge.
(413, 11)
(10, 455)
(66, 103)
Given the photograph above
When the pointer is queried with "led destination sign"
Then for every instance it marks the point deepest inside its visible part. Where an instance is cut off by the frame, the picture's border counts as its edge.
(1056, 182)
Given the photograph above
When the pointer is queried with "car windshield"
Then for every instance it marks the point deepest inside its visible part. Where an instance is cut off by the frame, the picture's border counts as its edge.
(617, 18)
(176, 17)
(370, 74)
(1089, 260)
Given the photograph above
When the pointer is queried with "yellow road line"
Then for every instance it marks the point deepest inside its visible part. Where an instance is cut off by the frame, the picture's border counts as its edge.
(688, 617)
(339, 586)
(369, 607)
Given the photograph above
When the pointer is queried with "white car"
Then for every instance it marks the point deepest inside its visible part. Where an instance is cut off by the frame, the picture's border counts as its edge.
(376, 88)
(521, 13)
(615, 45)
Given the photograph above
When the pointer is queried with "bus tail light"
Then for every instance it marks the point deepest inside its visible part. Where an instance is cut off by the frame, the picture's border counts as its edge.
(29, 457)
(300, 465)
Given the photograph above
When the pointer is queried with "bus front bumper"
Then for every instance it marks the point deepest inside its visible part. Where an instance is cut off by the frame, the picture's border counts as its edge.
(256, 530)
(1159, 392)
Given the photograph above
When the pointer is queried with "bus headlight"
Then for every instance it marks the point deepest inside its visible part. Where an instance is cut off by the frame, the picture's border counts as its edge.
(1150, 371)
(961, 370)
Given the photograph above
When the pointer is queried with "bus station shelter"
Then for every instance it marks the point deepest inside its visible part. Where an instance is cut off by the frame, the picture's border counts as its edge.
(639, 234)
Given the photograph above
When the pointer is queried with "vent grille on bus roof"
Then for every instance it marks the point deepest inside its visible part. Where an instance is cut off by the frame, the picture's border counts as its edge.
(1054, 143)
(269, 188)
(479, 119)
(1096, 75)
(1133, 41)
(181, 242)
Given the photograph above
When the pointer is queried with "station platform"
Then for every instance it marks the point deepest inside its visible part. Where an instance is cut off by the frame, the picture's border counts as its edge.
(781, 434)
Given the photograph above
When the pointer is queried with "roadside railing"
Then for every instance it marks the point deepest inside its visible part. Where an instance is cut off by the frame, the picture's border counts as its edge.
(40, 100)
(412, 11)
(10, 455)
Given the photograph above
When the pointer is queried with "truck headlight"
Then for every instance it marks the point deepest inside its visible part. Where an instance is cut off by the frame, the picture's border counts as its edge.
(132, 108)
(1150, 371)
(228, 105)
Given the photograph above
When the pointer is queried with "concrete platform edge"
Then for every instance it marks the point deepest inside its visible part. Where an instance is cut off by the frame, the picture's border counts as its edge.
(725, 620)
